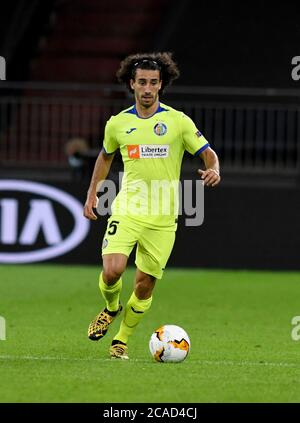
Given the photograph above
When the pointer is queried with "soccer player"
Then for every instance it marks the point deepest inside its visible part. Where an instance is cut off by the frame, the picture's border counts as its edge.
(152, 138)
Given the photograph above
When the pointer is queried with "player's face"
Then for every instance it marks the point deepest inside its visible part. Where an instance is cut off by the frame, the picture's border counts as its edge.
(146, 86)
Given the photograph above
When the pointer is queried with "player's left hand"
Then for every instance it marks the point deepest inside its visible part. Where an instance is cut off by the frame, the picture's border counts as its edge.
(210, 177)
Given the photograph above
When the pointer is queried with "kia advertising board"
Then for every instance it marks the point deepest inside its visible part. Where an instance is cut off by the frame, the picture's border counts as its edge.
(38, 222)
(43, 222)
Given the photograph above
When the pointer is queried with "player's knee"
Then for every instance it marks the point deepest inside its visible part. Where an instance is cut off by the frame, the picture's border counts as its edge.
(112, 274)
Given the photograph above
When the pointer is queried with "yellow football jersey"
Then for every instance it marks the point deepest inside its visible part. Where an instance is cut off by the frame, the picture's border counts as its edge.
(152, 151)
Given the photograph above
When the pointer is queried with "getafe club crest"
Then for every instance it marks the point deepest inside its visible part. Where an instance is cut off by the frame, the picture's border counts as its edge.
(160, 129)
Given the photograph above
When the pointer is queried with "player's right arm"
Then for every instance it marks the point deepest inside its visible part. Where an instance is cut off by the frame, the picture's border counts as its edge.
(101, 169)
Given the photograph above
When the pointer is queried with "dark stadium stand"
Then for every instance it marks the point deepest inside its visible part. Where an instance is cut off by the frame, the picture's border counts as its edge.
(81, 42)
(230, 43)
(89, 38)
(22, 24)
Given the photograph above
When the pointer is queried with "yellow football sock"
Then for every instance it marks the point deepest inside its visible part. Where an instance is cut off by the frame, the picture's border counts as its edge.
(134, 311)
(111, 293)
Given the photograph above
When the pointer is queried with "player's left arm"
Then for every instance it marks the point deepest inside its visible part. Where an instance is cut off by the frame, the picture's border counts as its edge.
(195, 143)
(210, 176)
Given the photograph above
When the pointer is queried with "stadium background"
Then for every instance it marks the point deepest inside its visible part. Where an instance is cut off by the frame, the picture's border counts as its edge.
(236, 83)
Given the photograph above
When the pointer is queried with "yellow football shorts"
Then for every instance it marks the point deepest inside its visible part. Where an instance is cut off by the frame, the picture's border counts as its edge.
(153, 246)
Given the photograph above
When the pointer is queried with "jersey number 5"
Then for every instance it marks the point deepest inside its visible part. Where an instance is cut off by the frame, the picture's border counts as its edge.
(113, 227)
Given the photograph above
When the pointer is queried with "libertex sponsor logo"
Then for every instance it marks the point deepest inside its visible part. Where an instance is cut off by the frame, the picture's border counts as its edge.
(148, 151)
(38, 222)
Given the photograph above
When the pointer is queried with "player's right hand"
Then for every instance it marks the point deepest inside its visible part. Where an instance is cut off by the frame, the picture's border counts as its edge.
(91, 202)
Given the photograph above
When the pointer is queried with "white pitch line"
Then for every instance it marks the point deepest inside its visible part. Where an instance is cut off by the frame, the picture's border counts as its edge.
(203, 362)
(247, 363)
(46, 358)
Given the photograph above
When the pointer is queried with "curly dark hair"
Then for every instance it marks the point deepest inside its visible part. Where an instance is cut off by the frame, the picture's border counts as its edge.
(161, 61)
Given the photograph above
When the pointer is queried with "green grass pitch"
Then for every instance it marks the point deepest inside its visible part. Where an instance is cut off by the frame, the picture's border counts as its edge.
(239, 323)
